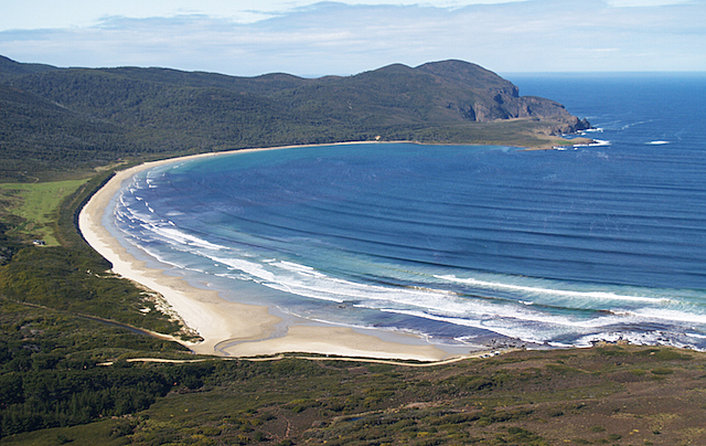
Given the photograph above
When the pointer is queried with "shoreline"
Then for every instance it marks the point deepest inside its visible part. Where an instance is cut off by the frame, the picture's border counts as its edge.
(242, 330)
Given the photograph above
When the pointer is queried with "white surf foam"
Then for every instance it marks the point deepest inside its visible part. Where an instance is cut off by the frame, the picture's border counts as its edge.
(173, 235)
(656, 337)
(671, 315)
(632, 124)
(695, 335)
(162, 229)
(539, 291)
(595, 143)
(252, 268)
(534, 335)
(307, 282)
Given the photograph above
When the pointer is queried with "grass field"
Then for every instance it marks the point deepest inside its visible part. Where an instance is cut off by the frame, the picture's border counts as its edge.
(35, 206)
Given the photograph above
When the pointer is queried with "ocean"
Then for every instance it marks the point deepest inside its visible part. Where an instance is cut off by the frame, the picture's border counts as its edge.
(463, 245)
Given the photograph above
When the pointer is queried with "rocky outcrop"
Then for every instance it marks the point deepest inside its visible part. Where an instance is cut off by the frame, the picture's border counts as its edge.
(479, 95)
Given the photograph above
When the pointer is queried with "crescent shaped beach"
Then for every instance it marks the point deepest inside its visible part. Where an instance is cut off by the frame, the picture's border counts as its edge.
(230, 328)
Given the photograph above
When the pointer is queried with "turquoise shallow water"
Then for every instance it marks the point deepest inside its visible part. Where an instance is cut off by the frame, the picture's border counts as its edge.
(461, 244)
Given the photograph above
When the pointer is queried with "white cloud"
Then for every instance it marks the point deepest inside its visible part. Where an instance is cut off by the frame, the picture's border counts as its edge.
(37, 14)
(645, 3)
(330, 38)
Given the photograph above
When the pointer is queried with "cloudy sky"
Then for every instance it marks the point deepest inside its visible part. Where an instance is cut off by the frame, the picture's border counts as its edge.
(249, 37)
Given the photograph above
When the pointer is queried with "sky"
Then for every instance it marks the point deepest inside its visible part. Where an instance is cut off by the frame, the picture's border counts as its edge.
(307, 38)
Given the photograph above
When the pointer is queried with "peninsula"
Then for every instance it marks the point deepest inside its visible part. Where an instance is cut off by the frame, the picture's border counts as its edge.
(58, 119)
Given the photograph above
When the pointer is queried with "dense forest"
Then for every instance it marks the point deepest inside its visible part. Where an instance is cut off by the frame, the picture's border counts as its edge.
(55, 118)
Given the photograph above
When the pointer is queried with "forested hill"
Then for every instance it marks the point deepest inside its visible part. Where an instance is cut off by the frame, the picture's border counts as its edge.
(52, 118)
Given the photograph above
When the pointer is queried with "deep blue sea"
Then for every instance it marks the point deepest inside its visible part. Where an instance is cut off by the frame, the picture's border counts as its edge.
(461, 244)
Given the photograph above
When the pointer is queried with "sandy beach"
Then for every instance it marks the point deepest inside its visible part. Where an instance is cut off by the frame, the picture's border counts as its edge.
(229, 328)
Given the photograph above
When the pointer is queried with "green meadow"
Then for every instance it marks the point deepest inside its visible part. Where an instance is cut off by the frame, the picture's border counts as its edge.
(35, 206)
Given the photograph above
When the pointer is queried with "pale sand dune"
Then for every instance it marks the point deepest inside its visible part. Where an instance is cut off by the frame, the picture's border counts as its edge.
(224, 323)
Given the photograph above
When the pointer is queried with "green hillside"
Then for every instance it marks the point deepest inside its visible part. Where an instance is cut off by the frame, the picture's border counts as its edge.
(53, 119)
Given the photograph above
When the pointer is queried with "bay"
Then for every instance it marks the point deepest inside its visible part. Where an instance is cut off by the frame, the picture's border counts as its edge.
(462, 244)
